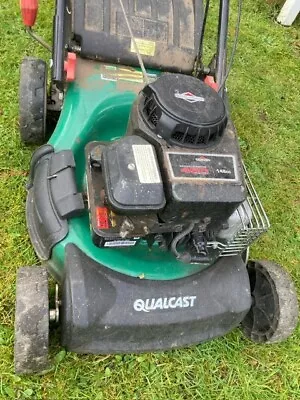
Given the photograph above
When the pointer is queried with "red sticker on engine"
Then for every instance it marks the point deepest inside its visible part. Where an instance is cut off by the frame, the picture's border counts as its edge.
(195, 170)
(102, 218)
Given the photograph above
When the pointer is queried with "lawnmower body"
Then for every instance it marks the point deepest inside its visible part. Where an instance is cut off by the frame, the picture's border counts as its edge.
(141, 290)
(158, 296)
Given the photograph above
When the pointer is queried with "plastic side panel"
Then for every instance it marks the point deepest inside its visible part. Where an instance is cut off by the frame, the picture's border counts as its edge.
(52, 199)
(45, 226)
(107, 312)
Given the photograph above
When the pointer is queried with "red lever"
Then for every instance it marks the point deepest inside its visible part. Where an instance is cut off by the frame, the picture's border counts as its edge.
(70, 67)
(29, 10)
(209, 80)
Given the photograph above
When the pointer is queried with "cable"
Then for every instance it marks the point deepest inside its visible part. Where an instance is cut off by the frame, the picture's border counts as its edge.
(135, 44)
(200, 54)
(235, 43)
(177, 239)
(38, 38)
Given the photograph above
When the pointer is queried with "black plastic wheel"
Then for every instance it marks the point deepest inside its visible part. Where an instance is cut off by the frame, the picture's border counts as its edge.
(31, 321)
(33, 100)
(274, 312)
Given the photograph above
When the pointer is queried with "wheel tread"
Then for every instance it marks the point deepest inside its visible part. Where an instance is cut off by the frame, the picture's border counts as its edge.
(32, 321)
(286, 304)
(33, 100)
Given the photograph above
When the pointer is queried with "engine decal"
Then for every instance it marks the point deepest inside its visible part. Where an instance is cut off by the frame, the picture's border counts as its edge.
(209, 167)
(146, 164)
(114, 73)
(188, 96)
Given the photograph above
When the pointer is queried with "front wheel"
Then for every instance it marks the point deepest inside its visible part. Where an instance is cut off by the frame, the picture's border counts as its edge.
(31, 321)
(274, 312)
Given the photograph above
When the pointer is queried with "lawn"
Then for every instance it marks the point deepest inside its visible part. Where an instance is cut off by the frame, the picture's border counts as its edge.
(264, 89)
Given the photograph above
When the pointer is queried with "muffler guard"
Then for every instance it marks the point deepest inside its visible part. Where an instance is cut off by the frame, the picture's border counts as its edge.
(105, 312)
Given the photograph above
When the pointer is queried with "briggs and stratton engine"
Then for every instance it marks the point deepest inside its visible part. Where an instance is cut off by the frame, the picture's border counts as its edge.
(176, 179)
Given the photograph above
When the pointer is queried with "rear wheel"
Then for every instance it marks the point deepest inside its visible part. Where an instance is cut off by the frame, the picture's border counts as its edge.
(274, 312)
(33, 100)
(31, 321)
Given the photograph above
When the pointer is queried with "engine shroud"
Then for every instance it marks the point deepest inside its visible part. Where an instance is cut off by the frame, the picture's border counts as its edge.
(183, 111)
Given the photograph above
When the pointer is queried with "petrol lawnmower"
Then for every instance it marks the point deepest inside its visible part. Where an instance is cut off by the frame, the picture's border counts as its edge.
(139, 204)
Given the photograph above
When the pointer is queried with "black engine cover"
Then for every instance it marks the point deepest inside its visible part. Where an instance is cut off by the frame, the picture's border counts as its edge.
(132, 176)
(202, 185)
(183, 111)
(197, 148)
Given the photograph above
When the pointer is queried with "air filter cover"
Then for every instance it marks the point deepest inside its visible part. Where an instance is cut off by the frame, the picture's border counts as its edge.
(132, 178)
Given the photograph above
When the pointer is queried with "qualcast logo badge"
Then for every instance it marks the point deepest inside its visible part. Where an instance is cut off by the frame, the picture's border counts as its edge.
(189, 97)
(164, 303)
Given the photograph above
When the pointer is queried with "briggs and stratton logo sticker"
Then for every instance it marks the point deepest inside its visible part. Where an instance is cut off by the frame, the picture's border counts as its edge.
(164, 303)
(189, 97)
(208, 167)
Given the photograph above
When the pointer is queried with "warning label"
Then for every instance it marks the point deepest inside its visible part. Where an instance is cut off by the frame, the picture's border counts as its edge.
(145, 47)
(120, 243)
(203, 166)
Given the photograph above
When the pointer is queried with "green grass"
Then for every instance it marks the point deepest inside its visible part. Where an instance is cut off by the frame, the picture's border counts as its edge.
(264, 91)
